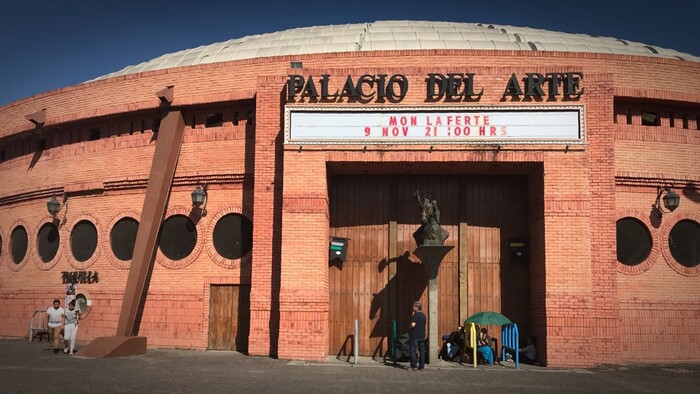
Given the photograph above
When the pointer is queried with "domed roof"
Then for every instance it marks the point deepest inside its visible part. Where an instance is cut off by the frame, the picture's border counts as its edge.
(398, 35)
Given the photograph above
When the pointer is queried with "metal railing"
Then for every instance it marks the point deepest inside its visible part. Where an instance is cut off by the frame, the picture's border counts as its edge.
(36, 324)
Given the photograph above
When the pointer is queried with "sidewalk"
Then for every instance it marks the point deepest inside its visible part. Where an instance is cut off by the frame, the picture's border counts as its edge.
(26, 367)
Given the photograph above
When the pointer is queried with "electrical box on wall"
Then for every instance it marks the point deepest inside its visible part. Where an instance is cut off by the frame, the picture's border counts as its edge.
(519, 249)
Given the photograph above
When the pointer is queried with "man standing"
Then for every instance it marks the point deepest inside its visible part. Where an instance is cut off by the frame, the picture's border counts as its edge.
(416, 337)
(54, 322)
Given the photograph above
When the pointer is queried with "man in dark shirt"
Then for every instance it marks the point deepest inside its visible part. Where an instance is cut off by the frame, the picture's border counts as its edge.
(417, 337)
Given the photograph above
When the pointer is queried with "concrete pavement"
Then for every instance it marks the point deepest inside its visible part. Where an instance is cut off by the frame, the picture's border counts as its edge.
(27, 367)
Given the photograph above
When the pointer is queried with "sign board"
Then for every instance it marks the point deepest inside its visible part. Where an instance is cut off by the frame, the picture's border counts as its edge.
(338, 248)
(430, 125)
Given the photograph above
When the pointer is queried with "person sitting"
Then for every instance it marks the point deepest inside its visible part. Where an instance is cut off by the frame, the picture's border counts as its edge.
(484, 346)
(454, 344)
(528, 354)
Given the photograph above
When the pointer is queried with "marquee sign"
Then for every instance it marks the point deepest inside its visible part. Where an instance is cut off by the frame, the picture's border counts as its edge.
(430, 125)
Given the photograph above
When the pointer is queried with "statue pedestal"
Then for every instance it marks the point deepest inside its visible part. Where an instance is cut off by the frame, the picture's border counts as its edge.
(431, 257)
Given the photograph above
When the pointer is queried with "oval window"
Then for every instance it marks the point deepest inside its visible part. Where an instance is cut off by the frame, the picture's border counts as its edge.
(178, 237)
(123, 237)
(684, 243)
(48, 241)
(633, 241)
(233, 236)
(18, 244)
(83, 240)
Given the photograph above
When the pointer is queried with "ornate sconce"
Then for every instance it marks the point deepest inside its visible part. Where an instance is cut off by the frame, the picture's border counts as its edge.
(199, 198)
(671, 199)
(54, 207)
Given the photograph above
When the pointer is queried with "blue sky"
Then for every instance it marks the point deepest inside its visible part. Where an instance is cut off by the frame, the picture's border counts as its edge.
(52, 44)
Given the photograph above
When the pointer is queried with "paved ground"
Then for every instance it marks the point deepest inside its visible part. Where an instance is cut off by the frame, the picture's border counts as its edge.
(27, 368)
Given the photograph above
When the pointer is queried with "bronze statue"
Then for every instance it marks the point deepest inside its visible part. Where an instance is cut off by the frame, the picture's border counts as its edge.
(430, 232)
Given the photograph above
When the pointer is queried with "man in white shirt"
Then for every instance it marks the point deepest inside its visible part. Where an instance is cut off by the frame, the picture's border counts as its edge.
(54, 323)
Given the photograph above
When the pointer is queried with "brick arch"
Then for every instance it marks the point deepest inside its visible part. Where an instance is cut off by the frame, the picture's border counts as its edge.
(81, 265)
(666, 232)
(177, 264)
(105, 235)
(655, 241)
(16, 267)
(35, 237)
(211, 250)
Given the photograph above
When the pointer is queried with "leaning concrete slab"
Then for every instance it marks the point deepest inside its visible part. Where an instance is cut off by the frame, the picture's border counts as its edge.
(106, 347)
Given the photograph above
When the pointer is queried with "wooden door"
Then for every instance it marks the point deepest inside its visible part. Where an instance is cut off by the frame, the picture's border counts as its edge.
(381, 277)
(495, 212)
(359, 211)
(229, 317)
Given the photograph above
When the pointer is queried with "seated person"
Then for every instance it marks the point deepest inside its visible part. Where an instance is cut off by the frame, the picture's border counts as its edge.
(454, 343)
(528, 354)
(484, 346)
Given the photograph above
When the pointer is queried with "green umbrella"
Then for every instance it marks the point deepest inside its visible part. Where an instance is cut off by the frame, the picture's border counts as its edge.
(487, 318)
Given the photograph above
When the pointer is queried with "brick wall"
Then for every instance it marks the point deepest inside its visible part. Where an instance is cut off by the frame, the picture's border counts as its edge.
(580, 297)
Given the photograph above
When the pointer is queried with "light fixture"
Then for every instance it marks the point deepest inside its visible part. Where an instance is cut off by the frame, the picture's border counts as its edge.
(671, 199)
(54, 207)
(199, 198)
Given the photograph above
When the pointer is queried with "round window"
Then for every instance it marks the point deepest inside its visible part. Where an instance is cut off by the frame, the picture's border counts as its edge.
(123, 237)
(18, 244)
(633, 241)
(48, 240)
(233, 236)
(83, 240)
(684, 243)
(178, 237)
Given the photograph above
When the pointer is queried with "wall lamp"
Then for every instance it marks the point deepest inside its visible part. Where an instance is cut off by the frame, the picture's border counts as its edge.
(54, 207)
(671, 199)
(199, 198)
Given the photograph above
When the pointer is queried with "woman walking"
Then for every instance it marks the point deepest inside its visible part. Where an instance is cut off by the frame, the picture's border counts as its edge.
(71, 328)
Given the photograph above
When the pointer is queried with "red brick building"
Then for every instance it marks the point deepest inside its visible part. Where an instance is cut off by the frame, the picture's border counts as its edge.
(550, 155)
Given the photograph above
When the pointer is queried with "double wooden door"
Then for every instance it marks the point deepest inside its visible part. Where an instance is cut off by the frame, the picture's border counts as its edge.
(381, 278)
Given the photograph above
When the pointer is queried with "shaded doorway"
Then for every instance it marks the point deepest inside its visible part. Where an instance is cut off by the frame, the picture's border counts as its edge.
(229, 317)
(381, 278)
